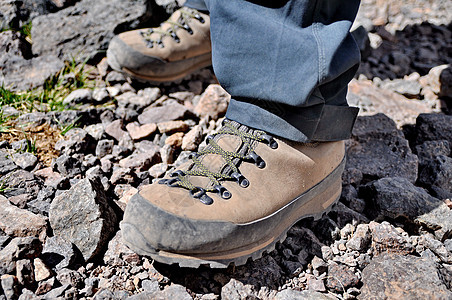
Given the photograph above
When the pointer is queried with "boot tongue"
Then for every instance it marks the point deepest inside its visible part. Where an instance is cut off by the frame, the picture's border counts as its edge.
(228, 142)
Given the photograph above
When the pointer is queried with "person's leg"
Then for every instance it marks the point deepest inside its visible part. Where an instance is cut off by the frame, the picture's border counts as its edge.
(180, 46)
(286, 65)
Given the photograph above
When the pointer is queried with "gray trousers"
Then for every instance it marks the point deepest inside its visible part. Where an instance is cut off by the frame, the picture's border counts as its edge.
(286, 64)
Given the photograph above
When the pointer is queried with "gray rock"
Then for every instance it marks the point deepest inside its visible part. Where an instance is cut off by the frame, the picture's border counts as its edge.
(95, 130)
(27, 295)
(299, 295)
(57, 292)
(21, 74)
(385, 193)
(24, 272)
(340, 277)
(164, 113)
(26, 161)
(104, 147)
(19, 222)
(137, 102)
(67, 276)
(116, 131)
(235, 289)
(58, 253)
(83, 216)
(408, 88)
(361, 238)
(13, 45)
(20, 182)
(101, 94)
(438, 220)
(174, 291)
(117, 252)
(115, 77)
(433, 127)
(438, 248)
(86, 29)
(158, 170)
(76, 140)
(19, 248)
(6, 163)
(67, 165)
(10, 286)
(35, 118)
(379, 150)
(393, 276)
(78, 96)
(437, 172)
(140, 160)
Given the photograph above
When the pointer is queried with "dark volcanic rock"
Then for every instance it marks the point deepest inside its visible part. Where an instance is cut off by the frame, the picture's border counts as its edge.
(85, 29)
(438, 172)
(433, 127)
(431, 149)
(403, 277)
(379, 150)
(83, 216)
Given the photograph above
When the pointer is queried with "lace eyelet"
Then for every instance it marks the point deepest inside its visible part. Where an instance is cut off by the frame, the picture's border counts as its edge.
(270, 141)
(224, 193)
(177, 173)
(258, 161)
(242, 181)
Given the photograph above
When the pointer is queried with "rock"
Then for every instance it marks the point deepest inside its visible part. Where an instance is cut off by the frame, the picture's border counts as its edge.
(95, 130)
(51, 179)
(56, 292)
(9, 286)
(24, 272)
(58, 253)
(78, 96)
(438, 220)
(19, 248)
(393, 276)
(22, 74)
(83, 216)
(115, 130)
(117, 253)
(158, 170)
(126, 196)
(438, 248)
(76, 140)
(138, 132)
(445, 80)
(137, 102)
(36, 119)
(141, 161)
(319, 264)
(433, 127)
(114, 77)
(192, 139)
(172, 126)
(431, 149)
(122, 175)
(175, 140)
(213, 103)
(46, 286)
(104, 147)
(360, 239)
(385, 238)
(67, 276)
(68, 166)
(20, 182)
(101, 94)
(299, 295)
(12, 44)
(26, 161)
(164, 113)
(234, 289)
(314, 284)
(86, 28)
(408, 88)
(19, 222)
(41, 271)
(437, 172)
(340, 277)
(384, 194)
(379, 150)
(6, 163)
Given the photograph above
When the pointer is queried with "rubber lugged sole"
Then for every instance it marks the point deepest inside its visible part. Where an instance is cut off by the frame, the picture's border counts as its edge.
(313, 203)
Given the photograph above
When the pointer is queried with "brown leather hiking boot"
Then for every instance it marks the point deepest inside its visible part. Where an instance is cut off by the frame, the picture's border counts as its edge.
(180, 46)
(234, 200)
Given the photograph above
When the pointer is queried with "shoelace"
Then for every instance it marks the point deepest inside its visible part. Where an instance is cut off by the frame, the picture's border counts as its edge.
(182, 23)
(181, 178)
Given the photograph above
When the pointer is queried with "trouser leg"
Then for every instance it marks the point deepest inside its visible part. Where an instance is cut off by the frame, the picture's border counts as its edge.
(196, 4)
(287, 64)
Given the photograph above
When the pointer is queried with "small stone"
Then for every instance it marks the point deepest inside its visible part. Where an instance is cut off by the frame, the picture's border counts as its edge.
(20, 223)
(114, 129)
(104, 147)
(17, 249)
(115, 77)
(141, 161)
(360, 239)
(213, 102)
(408, 88)
(101, 94)
(438, 248)
(57, 292)
(83, 216)
(95, 130)
(58, 253)
(67, 276)
(299, 295)
(127, 195)
(235, 289)
(117, 251)
(9, 286)
(172, 126)
(138, 132)
(51, 178)
(315, 284)
(192, 139)
(164, 113)
(175, 139)
(26, 161)
(319, 264)
(24, 272)
(385, 238)
(150, 286)
(78, 96)
(76, 140)
(41, 271)
(340, 277)
(68, 166)
(122, 175)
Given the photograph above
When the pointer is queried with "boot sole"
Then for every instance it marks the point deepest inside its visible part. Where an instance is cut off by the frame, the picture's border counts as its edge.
(194, 63)
(318, 201)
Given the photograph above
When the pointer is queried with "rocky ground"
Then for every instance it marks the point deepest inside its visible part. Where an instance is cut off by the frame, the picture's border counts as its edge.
(66, 175)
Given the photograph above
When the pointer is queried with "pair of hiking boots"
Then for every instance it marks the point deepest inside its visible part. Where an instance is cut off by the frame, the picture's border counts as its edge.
(237, 197)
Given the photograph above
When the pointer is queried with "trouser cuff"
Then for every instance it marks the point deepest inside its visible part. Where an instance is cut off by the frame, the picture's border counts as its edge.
(301, 124)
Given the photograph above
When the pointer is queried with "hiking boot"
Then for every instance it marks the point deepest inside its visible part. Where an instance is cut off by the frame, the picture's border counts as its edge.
(234, 200)
(180, 46)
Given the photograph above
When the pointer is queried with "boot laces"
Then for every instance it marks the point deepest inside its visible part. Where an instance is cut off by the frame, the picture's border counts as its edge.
(182, 23)
(232, 160)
